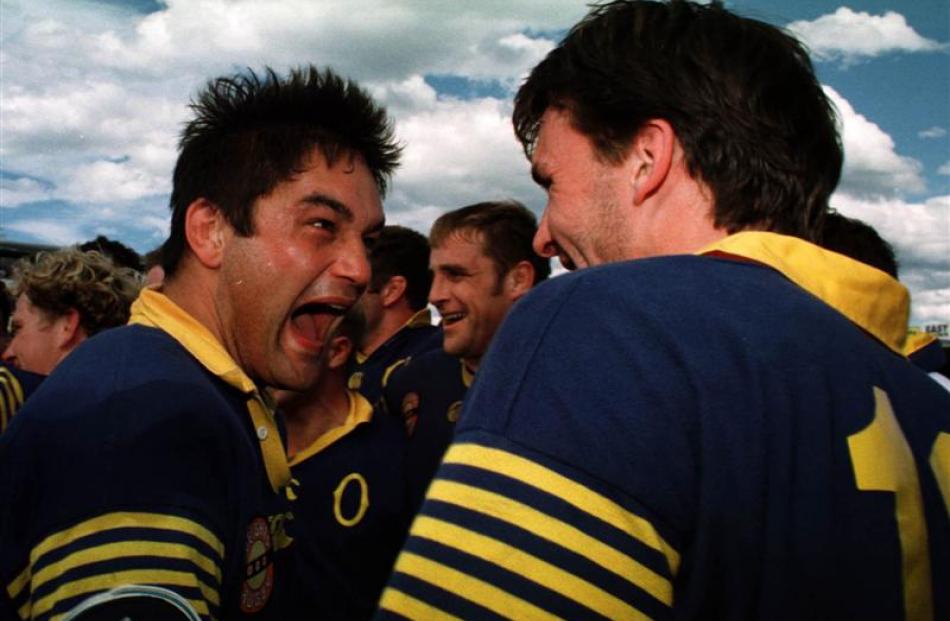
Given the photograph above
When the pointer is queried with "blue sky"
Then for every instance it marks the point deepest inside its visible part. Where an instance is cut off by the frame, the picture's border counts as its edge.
(93, 94)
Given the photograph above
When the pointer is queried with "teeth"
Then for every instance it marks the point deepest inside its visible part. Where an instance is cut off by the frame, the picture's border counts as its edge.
(453, 317)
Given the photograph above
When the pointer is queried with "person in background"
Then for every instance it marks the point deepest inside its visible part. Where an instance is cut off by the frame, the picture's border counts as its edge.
(716, 420)
(398, 323)
(121, 255)
(349, 492)
(482, 264)
(153, 455)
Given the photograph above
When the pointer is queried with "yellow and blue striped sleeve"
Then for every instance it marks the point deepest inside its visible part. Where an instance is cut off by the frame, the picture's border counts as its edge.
(115, 549)
(11, 396)
(506, 534)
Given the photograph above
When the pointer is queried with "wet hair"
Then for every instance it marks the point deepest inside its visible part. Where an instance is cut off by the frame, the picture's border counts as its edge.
(859, 241)
(89, 282)
(402, 252)
(506, 229)
(250, 132)
(741, 95)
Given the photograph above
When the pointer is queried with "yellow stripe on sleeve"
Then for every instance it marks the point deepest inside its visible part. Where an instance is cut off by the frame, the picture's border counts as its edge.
(124, 549)
(412, 608)
(475, 590)
(521, 563)
(13, 383)
(556, 531)
(571, 492)
(132, 576)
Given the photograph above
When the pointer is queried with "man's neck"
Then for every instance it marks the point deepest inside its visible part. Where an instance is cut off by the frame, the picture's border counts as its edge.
(311, 414)
(392, 321)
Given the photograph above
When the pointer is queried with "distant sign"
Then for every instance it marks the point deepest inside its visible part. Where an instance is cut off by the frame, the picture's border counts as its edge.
(940, 330)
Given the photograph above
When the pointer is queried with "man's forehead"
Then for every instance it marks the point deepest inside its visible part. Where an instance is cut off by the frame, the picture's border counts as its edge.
(466, 239)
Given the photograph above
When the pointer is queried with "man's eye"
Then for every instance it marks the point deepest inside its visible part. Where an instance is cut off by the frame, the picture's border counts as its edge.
(327, 225)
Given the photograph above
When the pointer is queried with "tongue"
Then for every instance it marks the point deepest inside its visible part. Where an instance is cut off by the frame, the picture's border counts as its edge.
(306, 325)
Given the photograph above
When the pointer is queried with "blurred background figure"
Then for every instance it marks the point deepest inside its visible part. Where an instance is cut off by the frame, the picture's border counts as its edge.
(119, 253)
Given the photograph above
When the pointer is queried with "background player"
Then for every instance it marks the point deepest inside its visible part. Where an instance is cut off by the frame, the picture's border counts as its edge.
(731, 435)
(350, 505)
(482, 264)
(152, 454)
(398, 323)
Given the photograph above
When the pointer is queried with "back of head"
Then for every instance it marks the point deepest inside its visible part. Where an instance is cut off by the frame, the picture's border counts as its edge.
(121, 255)
(859, 241)
(251, 132)
(506, 228)
(402, 252)
(89, 282)
(741, 95)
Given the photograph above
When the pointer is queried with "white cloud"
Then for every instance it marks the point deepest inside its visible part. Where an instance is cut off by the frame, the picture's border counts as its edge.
(932, 132)
(872, 167)
(112, 181)
(852, 35)
(47, 232)
(944, 168)
(920, 235)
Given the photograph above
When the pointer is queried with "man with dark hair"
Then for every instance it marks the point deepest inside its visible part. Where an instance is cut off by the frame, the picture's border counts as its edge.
(398, 323)
(732, 434)
(120, 254)
(482, 264)
(349, 493)
(153, 455)
(858, 240)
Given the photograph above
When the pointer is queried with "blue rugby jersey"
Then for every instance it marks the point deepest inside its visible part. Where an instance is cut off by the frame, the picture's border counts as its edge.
(148, 457)
(693, 437)
(427, 395)
(369, 374)
(16, 386)
(351, 513)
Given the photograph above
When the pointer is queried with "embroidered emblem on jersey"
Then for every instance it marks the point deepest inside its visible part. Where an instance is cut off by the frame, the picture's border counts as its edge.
(355, 381)
(454, 411)
(410, 411)
(363, 487)
(258, 568)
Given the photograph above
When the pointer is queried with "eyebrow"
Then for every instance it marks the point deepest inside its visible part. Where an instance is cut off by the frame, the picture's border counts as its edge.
(322, 200)
(539, 177)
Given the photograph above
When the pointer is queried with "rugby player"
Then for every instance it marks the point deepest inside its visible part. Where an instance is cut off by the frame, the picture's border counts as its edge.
(153, 456)
(398, 322)
(723, 428)
(482, 264)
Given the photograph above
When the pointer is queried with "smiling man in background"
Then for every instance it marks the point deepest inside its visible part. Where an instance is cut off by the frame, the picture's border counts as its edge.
(730, 433)
(153, 455)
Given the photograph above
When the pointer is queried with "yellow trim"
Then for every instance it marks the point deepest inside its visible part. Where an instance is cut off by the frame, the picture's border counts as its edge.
(917, 341)
(110, 521)
(407, 606)
(940, 464)
(338, 499)
(571, 492)
(475, 590)
(556, 531)
(468, 376)
(393, 367)
(123, 549)
(200, 606)
(523, 564)
(154, 309)
(361, 411)
(132, 576)
(865, 295)
(360, 357)
(13, 382)
(421, 319)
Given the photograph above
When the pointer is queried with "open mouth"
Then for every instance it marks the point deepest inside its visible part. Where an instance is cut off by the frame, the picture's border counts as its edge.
(311, 321)
(450, 318)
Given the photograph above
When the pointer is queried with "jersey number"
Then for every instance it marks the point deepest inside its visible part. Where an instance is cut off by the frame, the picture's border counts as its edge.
(883, 461)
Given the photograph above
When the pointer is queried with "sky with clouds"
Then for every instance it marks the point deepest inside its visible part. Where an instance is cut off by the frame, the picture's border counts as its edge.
(93, 94)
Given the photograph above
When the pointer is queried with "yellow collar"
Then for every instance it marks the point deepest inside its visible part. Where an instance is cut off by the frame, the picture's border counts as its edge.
(865, 295)
(419, 319)
(917, 340)
(154, 309)
(468, 376)
(361, 411)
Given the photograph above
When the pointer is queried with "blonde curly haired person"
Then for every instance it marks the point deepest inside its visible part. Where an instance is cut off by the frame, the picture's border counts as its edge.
(63, 298)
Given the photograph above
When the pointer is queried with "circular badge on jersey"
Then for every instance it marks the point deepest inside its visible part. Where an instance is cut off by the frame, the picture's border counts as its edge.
(454, 411)
(355, 381)
(410, 411)
(258, 568)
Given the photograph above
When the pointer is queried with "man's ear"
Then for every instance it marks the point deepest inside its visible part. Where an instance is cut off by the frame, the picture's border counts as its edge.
(394, 289)
(519, 279)
(206, 230)
(68, 330)
(651, 156)
(340, 349)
